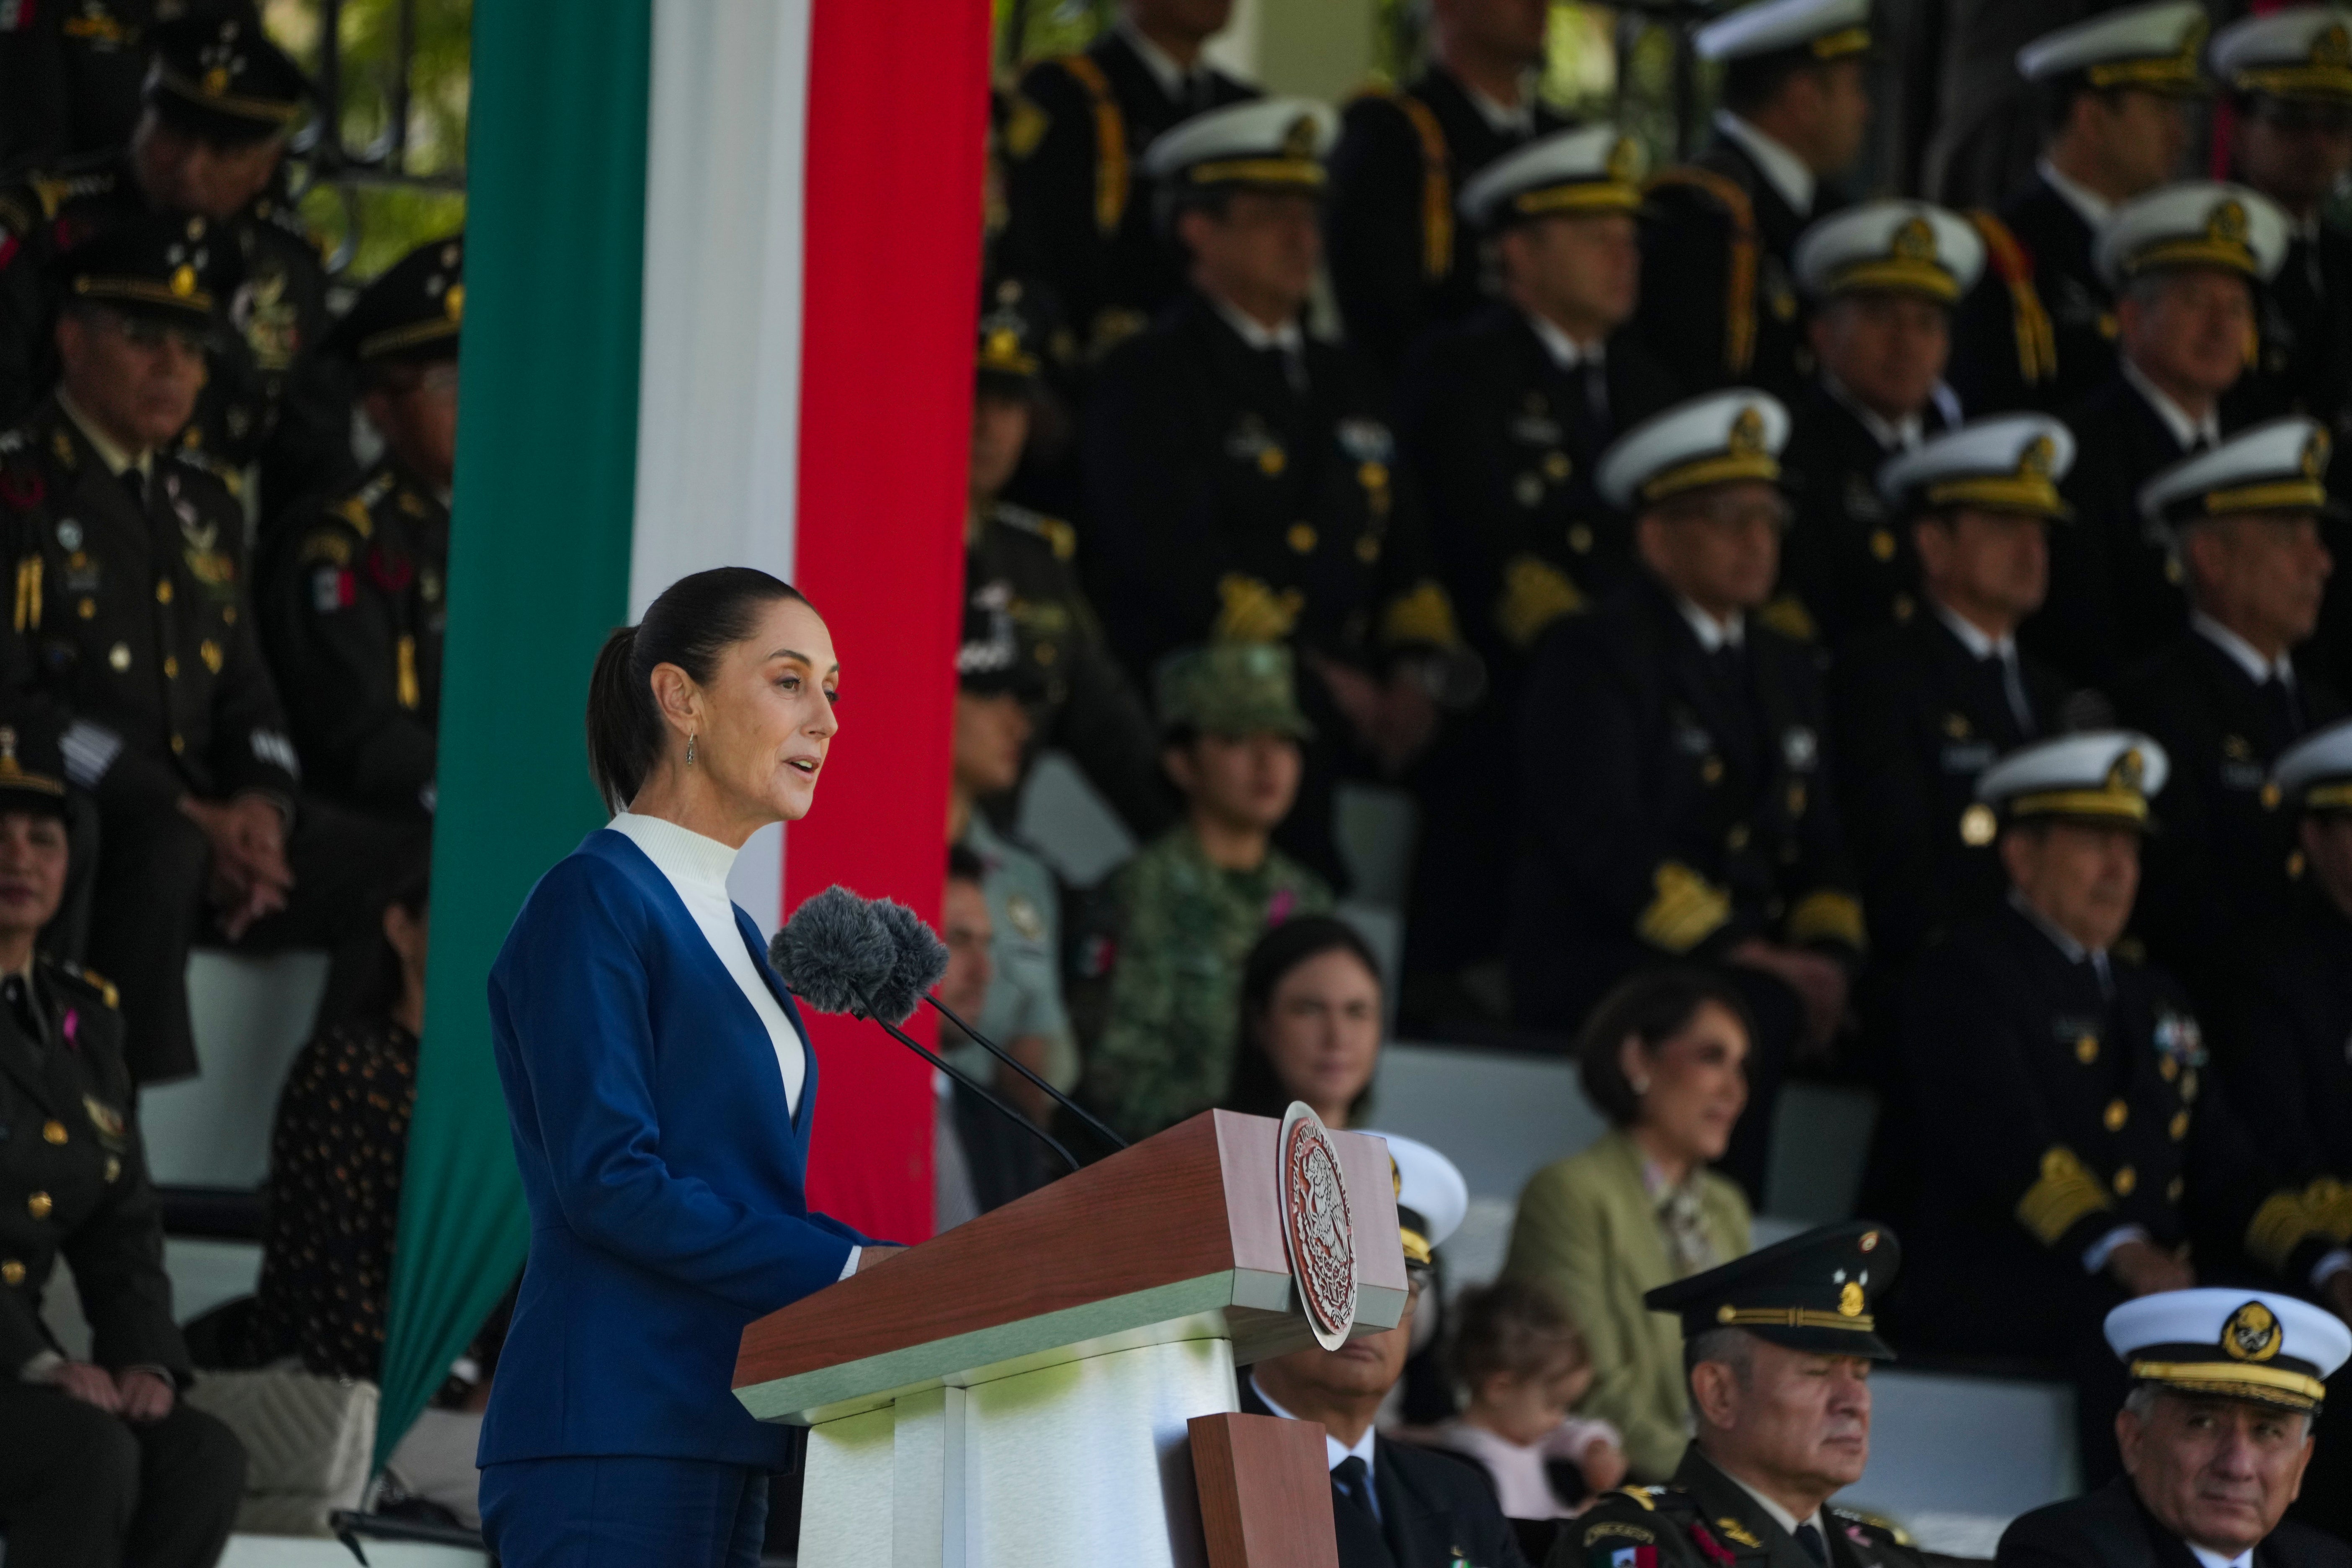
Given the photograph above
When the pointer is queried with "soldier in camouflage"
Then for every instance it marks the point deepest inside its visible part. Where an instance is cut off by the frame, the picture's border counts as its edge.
(1188, 909)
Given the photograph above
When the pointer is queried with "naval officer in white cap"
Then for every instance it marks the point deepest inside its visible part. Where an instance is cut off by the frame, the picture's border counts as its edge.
(1678, 798)
(2226, 1390)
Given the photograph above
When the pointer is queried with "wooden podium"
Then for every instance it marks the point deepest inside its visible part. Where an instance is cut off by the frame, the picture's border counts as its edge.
(1017, 1391)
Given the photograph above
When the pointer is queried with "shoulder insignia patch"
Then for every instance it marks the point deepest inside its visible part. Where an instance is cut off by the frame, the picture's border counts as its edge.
(330, 545)
(1877, 1522)
(1618, 1530)
(354, 511)
(1738, 1532)
(94, 980)
(1640, 1495)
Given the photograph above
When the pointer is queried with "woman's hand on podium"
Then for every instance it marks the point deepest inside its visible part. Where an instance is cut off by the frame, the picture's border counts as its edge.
(874, 1253)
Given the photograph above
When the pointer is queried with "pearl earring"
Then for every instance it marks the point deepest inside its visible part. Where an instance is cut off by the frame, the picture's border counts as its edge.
(1640, 1085)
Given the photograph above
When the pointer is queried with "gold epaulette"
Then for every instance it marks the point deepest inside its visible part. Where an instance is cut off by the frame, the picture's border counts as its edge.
(1687, 910)
(2288, 1218)
(2037, 342)
(97, 984)
(2065, 1192)
(1739, 259)
(1827, 915)
(1421, 617)
(1110, 142)
(1437, 180)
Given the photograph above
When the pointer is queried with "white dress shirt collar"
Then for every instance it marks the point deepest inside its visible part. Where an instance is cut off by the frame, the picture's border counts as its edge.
(1714, 636)
(1565, 351)
(2074, 951)
(1334, 1451)
(2212, 1559)
(2089, 206)
(1783, 168)
(115, 458)
(1891, 434)
(1507, 120)
(2242, 652)
(2193, 434)
(1972, 637)
(1779, 1516)
(1254, 333)
(1173, 79)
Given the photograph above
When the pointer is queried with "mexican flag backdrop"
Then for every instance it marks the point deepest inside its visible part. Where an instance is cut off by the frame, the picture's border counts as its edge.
(723, 262)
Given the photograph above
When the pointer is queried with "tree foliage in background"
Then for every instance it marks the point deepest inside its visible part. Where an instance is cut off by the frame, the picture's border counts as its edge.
(369, 212)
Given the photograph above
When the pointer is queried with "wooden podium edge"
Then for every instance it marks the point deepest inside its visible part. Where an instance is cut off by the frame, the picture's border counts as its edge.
(1266, 1492)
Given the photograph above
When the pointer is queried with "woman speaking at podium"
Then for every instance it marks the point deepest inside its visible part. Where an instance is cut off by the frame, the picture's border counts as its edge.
(660, 1088)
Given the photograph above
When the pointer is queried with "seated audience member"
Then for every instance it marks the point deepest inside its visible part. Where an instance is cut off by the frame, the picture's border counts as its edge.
(1526, 1368)
(1190, 907)
(1719, 302)
(1661, 1058)
(2216, 1433)
(1687, 808)
(2228, 696)
(1920, 709)
(1393, 1505)
(2040, 331)
(2184, 261)
(100, 1461)
(1777, 1347)
(354, 601)
(1242, 480)
(1882, 277)
(2064, 1102)
(1503, 419)
(1020, 562)
(1310, 1023)
(135, 637)
(972, 1139)
(1400, 262)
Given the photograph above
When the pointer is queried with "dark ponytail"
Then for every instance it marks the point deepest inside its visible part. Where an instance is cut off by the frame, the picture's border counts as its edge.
(689, 626)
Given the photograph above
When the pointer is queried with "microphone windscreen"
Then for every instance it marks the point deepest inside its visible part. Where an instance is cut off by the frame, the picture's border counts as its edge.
(833, 952)
(920, 960)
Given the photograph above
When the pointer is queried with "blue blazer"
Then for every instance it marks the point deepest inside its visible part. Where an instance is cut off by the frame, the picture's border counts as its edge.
(665, 1180)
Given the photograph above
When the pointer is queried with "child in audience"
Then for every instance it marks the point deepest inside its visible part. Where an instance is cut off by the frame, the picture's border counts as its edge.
(1523, 1367)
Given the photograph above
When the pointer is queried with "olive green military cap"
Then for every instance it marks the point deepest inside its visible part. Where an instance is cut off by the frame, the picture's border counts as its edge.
(1230, 688)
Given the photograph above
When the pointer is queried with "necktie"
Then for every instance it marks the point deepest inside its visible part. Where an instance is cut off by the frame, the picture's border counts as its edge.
(20, 1008)
(1815, 1547)
(136, 483)
(2281, 714)
(2001, 669)
(1352, 1480)
(1596, 395)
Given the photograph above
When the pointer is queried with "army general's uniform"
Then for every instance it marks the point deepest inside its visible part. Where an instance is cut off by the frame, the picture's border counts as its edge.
(1704, 1519)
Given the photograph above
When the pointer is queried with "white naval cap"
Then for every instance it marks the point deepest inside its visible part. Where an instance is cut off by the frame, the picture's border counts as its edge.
(2007, 462)
(2153, 47)
(2303, 51)
(1898, 246)
(1712, 439)
(2316, 773)
(2099, 775)
(2254, 1345)
(2193, 223)
(2279, 465)
(1825, 29)
(1593, 168)
(1265, 141)
(1430, 1195)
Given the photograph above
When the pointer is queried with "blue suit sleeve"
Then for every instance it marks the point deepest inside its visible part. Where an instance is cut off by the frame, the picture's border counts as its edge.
(570, 994)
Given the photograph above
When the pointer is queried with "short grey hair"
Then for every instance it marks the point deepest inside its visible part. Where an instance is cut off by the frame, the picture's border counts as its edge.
(2141, 1403)
(1733, 1348)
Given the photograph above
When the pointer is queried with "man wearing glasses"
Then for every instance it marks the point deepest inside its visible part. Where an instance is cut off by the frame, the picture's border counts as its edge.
(353, 596)
(1676, 791)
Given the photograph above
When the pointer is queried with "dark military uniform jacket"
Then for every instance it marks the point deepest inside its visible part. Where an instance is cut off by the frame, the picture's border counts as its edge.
(1849, 565)
(1230, 499)
(1402, 258)
(1719, 303)
(2285, 1043)
(1673, 802)
(73, 1182)
(2050, 1110)
(70, 74)
(131, 630)
(2305, 315)
(1917, 717)
(1707, 1519)
(1085, 703)
(271, 399)
(2220, 862)
(1081, 208)
(1504, 441)
(2115, 586)
(2038, 329)
(354, 606)
(1437, 1509)
(2111, 1529)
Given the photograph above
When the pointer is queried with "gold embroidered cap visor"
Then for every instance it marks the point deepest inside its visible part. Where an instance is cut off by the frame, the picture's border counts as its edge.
(2023, 495)
(2175, 75)
(2195, 1369)
(1277, 174)
(1574, 198)
(1718, 469)
(1813, 1293)
(146, 297)
(1894, 275)
(2112, 805)
(2193, 250)
(262, 112)
(2330, 82)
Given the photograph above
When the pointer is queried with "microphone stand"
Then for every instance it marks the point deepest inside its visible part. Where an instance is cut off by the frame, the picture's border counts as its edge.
(1001, 1054)
(964, 1078)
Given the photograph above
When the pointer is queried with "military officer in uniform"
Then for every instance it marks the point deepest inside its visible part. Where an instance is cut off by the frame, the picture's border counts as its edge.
(353, 599)
(2228, 696)
(1777, 1347)
(220, 101)
(1719, 300)
(2063, 1100)
(1024, 561)
(2039, 332)
(100, 1461)
(1401, 262)
(1687, 809)
(133, 630)
(2217, 1432)
(1080, 204)
(70, 74)
(1393, 1505)
(1882, 277)
(1504, 418)
(1242, 479)
(2184, 260)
